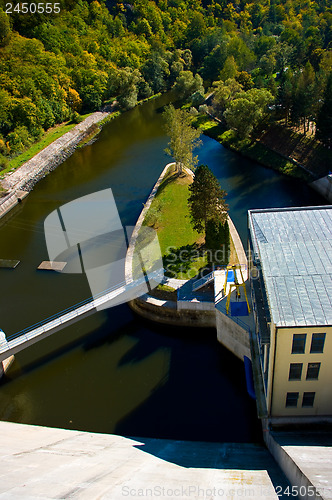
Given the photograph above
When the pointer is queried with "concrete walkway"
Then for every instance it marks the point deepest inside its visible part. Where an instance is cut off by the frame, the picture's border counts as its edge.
(45, 463)
(306, 459)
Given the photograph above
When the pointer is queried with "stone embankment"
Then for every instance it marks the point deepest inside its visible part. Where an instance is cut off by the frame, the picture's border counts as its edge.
(20, 182)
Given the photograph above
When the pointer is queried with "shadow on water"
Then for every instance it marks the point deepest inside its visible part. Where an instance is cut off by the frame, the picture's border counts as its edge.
(92, 340)
(204, 387)
(114, 372)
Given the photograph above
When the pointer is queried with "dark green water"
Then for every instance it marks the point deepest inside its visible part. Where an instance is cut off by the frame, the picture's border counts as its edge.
(115, 372)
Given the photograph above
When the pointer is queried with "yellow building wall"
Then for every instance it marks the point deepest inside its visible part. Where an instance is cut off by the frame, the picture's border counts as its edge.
(280, 384)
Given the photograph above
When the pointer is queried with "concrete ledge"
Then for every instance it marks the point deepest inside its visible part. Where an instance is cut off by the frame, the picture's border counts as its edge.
(232, 336)
(5, 365)
(166, 312)
(138, 225)
(306, 461)
(20, 182)
(11, 200)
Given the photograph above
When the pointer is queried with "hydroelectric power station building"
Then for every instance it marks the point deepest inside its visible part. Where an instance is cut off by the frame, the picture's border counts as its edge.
(291, 284)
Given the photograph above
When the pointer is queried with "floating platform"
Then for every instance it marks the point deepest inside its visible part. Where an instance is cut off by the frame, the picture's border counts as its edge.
(48, 265)
(9, 264)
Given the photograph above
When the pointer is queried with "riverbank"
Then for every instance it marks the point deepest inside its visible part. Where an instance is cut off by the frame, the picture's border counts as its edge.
(19, 183)
(253, 149)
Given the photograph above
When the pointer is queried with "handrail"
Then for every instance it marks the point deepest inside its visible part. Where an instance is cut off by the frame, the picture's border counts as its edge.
(236, 319)
(58, 315)
(202, 281)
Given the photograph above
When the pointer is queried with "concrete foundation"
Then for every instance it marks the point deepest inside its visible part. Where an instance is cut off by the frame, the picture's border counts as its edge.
(324, 187)
(166, 312)
(232, 336)
(5, 365)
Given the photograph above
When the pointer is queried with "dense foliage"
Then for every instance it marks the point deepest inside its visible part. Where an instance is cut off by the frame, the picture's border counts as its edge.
(54, 65)
(184, 138)
(206, 200)
(218, 239)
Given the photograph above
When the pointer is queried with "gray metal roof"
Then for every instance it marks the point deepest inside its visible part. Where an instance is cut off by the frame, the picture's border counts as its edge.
(294, 246)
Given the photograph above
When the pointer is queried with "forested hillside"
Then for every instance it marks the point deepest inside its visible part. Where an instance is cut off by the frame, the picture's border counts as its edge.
(261, 55)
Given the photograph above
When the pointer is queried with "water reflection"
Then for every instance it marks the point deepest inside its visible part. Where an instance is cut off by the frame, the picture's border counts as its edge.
(114, 372)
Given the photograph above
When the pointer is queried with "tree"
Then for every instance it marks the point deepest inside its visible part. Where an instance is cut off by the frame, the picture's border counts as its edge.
(4, 29)
(156, 71)
(213, 63)
(229, 69)
(206, 200)
(324, 120)
(73, 99)
(184, 138)
(304, 97)
(187, 84)
(217, 238)
(246, 111)
(244, 79)
(225, 92)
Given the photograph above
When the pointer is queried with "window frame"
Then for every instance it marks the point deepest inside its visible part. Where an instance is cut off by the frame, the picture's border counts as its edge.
(288, 398)
(318, 371)
(312, 341)
(305, 394)
(290, 368)
(297, 335)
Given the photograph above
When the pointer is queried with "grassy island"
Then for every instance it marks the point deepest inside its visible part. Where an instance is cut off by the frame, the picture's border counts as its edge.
(183, 249)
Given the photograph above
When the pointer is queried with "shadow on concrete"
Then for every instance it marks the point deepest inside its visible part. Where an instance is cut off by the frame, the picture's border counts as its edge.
(226, 456)
(311, 435)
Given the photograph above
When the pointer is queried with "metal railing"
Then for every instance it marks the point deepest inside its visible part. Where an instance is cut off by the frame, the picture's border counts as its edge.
(203, 281)
(236, 319)
(70, 309)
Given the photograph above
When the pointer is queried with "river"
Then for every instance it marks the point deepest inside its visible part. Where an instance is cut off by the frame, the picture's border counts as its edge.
(115, 372)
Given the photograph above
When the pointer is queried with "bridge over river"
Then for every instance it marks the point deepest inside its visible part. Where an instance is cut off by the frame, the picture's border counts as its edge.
(12, 344)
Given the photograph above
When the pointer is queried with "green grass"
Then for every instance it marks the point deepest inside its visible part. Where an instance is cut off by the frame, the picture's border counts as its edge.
(208, 126)
(49, 137)
(146, 99)
(180, 244)
(164, 292)
(182, 247)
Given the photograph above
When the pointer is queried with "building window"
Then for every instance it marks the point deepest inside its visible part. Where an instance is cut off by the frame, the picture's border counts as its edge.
(313, 371)
(295, 371)
(298, 346)
(317, 342)
(292, 398)
(308, 399)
